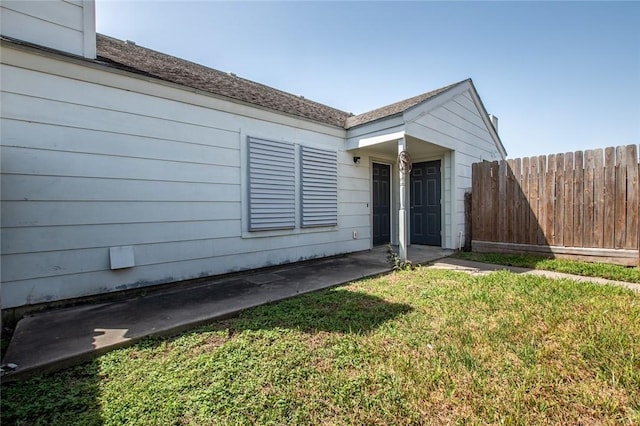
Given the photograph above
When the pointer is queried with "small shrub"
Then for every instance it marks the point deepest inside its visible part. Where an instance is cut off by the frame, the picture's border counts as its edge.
(396, 263)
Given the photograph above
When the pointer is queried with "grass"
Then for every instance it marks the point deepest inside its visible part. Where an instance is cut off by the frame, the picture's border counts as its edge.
(587, 269)
(412, 347)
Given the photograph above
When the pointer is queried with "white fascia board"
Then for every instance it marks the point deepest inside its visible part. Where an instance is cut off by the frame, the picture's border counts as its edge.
(375, 127)
(374, 140)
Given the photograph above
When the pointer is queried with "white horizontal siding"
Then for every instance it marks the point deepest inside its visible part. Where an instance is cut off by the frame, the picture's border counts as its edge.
(220, 147)
(89, 166)
(457, 125)
(61, 188)
(27, 161)
(39, 290)
(55, 23)
(452, 137)
(46, 111)
(60, 263)
(67, 213)
(58, 12)
(52, 238)
(71, 91)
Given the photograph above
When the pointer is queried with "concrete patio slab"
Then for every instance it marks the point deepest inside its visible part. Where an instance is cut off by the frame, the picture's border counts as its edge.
(56, 339)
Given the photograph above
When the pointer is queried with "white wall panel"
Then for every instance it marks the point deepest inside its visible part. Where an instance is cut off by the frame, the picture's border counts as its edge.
(89, 166)
(218, 147)
(29, 161)
(57, 12)
(52, 238)
(61, 188)
(60, 213)
(38, 31)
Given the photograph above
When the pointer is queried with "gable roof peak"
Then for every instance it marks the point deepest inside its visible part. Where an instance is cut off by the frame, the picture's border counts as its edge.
(399, 107)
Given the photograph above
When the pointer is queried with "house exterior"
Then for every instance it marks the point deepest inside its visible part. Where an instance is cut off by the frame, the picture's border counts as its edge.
(123, 167)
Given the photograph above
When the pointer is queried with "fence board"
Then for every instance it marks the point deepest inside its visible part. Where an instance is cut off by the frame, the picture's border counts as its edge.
(525, 210)
(501, 226)
(475, 198)
(533, 201)
(589, 161)
(495, 202)
(578, 198)
(542, 212)
(550, 198)
(598, 199)
(631, 154)
(573, 200)
(568, 199)
(516, 205)
(558, 225)
(609, 197)
(621, 199)
(507, 222)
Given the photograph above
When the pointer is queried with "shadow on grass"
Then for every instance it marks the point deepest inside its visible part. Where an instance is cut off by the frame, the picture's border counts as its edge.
(67, 397)
(336, 310)
(72, 396)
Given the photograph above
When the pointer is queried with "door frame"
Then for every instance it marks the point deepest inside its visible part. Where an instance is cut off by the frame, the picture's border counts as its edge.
(392, 230)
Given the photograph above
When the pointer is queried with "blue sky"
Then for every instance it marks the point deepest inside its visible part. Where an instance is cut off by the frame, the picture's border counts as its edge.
(560, 76)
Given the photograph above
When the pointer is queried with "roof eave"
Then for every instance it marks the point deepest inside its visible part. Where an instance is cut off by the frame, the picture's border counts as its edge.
(105, 66)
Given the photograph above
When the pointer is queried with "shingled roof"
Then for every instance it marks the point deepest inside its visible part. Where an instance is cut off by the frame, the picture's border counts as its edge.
(140, 60)
(395, 108)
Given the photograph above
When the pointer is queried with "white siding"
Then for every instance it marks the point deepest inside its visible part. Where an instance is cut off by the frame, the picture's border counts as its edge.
(68, 26)
(458, 126)
(110, 160)
(450, 128)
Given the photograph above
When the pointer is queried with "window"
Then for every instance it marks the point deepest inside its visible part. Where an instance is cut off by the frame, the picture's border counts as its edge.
(271, 185)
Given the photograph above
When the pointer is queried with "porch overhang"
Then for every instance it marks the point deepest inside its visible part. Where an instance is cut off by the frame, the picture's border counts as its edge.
(386, 145)
(390, 139)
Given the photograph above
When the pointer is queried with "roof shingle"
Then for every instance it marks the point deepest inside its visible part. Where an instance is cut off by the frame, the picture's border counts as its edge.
(145, 61)
(395, 108)
(140, 60)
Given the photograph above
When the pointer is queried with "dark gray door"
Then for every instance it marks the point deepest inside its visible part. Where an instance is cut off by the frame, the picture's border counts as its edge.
(381, 204)
(426, 220)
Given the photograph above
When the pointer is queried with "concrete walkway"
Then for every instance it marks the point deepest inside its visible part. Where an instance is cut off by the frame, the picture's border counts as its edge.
(56, 339)
(485, 268)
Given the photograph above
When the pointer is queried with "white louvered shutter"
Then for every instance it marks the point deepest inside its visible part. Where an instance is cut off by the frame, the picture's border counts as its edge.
(319, 187)
(271, 185)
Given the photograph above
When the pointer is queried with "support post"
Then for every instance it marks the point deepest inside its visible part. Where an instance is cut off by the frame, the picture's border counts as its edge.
(402, 216)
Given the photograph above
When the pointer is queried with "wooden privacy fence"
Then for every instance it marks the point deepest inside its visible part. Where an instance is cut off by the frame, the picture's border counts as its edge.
(578, 204)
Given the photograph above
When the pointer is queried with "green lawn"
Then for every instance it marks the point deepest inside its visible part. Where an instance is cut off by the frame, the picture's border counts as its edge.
(587, 269)
(412, 347)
